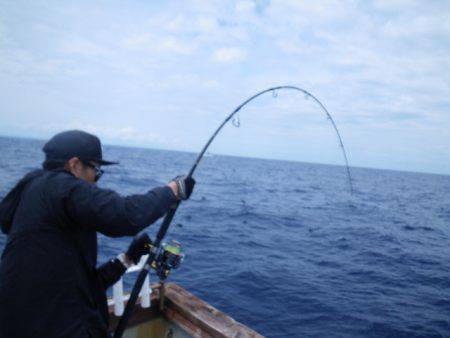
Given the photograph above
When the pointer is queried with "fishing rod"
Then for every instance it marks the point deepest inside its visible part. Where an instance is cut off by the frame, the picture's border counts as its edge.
(273, 90)
(171, 213)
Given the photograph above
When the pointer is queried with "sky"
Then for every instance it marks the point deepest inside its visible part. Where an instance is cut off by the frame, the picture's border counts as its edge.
(163, 74)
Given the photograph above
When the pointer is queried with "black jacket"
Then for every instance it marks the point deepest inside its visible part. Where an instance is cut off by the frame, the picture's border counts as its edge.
(50, 285)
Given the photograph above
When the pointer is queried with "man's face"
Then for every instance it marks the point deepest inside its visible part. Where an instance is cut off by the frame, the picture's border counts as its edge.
(88, 174)
(83, 171)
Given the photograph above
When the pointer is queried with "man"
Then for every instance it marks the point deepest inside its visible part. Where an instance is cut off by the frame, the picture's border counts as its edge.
(50, 285)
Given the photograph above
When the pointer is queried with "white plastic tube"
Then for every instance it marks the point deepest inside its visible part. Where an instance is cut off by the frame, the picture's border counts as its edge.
(118, 297)
(146, 291)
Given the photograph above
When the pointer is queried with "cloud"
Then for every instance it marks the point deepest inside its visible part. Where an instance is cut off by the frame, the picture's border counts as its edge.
(229, 55)
(172, 44)
(395, 5)
(378, 66)
(152, 43)
(84, 47)
(206, 24)
(110, 134)
(245, 6)
(417, 27)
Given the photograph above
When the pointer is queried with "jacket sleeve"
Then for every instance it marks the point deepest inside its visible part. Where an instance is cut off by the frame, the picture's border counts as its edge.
(114, 215)
(110, 272)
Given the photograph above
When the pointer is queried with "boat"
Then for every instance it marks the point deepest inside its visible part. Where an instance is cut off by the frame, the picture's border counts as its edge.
(169, 311)
(177, 313)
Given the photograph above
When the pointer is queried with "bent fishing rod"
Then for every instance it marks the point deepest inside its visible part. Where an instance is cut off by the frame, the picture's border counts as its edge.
(171, 213)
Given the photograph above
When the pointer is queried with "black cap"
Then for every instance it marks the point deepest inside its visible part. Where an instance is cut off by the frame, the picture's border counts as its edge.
(75, 143)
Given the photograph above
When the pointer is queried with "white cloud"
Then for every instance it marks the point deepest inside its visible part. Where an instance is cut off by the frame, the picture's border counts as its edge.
(245, 6)
(229, 55)
(420, 26)
(83, 47)
(374, 64)
(173, 26)
(119, 134)
(206, 24)
(152, 43)
(137, 41)
(394, 5)
(172, 44)
(298, 47)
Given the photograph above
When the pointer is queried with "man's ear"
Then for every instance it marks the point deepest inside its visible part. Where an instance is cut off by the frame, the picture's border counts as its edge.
(74, 166)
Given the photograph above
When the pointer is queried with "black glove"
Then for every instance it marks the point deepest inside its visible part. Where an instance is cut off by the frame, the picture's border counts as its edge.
(138, 247)
(185, 186)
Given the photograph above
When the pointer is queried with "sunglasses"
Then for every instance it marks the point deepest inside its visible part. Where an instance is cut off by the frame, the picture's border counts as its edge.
(98, 172)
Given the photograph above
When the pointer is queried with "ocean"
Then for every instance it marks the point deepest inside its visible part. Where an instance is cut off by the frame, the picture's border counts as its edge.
(284, 248)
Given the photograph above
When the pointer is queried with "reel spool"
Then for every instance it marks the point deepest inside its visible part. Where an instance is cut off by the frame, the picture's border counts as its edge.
(168, 257)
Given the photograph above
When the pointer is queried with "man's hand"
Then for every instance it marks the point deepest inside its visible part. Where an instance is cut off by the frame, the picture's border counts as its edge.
(182, 187)
(138, 247)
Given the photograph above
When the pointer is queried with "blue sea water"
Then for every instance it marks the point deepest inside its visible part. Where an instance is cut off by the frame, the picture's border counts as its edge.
(284, 248)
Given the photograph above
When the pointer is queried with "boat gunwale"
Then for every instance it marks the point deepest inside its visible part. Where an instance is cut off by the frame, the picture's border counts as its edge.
(190, 313)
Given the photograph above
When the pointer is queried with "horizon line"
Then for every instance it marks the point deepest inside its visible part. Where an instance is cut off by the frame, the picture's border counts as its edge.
(240, 156)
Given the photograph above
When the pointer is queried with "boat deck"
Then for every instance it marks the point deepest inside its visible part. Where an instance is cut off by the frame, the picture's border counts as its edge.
(183, 315)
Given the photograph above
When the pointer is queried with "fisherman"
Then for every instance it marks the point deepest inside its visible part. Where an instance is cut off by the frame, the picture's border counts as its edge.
(50, 285)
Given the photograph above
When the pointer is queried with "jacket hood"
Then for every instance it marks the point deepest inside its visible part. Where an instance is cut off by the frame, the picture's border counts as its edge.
(9, 204)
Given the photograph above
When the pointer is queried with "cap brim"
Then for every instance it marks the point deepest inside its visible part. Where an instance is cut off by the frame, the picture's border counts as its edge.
(103, 162)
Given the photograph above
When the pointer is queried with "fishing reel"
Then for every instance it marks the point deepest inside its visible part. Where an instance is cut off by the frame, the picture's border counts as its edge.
(168, 257)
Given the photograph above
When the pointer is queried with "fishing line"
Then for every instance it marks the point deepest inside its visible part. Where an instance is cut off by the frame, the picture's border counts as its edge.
(236, 123)
(171, 213)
